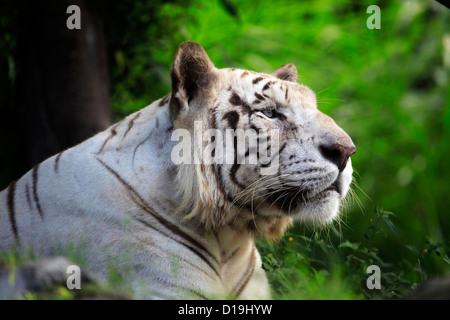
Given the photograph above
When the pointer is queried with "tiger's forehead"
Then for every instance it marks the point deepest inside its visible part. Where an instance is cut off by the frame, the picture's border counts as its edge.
(256, 87)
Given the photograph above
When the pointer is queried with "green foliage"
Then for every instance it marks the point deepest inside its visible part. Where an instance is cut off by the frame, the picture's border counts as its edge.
(323, 265)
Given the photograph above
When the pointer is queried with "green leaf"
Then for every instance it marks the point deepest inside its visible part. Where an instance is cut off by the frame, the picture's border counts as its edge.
(389, 224)
(446, 259)
(413, 249)
(348, 244)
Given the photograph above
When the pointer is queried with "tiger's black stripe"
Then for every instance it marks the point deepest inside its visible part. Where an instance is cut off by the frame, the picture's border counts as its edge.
(233, 172)
(217, 167)
(267, 85)
(256, 80)
(236, 100)
(140, 144)
(198, 294)
(282, 148)
(235, 166)
(230, 256)
(12, 210)
(218, 173)
(34, 175)
(191, 243)
(58, 157)
(113, 132)
(164, 100)
(245, 279)
(259, 97)
(27, 194)
(232, 118)
(258, 130)
(244, 74)
(131, 124)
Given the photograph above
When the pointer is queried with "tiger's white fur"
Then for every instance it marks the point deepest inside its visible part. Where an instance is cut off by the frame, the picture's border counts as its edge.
(184, 231)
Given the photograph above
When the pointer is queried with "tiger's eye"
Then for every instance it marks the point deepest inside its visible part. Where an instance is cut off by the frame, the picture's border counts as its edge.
(269, 113)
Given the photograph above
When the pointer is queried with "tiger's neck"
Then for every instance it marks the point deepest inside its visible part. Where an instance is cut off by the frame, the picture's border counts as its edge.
(148, 174)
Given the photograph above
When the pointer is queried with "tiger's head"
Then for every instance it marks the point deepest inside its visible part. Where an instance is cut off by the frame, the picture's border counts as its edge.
(306, 171)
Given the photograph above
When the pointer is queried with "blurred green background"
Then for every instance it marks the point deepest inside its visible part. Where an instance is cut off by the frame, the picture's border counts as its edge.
(388, 88)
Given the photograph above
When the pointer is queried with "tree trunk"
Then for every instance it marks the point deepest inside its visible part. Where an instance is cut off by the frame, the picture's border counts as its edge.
(63, 83)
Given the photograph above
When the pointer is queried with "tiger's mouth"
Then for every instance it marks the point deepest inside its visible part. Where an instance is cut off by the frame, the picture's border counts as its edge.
(334, 187)
(291, 199)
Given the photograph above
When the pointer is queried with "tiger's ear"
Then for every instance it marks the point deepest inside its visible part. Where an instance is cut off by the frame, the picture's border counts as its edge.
(192, 73)
(286, 72)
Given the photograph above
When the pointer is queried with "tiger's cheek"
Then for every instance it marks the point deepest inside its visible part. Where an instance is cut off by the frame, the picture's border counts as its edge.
(251, 175)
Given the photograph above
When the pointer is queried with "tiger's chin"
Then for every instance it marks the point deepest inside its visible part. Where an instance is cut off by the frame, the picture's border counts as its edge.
(319, 210)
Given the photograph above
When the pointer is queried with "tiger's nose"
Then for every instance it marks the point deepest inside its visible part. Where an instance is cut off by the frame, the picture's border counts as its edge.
(338, 154)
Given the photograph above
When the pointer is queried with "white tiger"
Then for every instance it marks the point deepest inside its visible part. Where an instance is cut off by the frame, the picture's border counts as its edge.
(187, 230)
